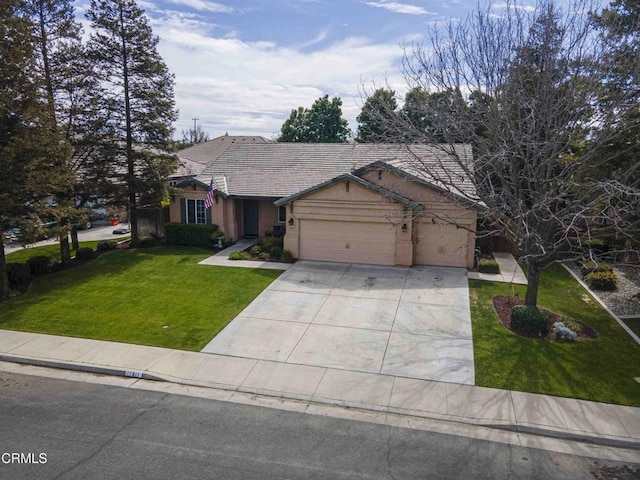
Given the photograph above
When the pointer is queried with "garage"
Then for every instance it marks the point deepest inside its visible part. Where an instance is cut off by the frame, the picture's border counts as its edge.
(348, 241)
(440, 244)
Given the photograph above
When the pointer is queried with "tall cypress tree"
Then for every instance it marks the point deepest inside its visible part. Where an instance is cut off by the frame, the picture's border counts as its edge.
(67, 82)
(33, 154)
(141, 103)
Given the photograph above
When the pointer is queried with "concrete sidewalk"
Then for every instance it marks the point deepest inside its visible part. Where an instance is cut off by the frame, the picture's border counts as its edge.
(510, 271)
(380, 395)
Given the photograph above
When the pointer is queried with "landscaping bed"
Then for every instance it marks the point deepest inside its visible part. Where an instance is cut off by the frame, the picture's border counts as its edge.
(504, 305)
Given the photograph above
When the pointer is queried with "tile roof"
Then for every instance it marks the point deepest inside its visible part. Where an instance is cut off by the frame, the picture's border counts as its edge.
(283, 169)
(204, 153)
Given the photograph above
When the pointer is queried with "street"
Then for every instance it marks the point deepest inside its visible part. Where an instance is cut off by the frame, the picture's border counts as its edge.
(54, 429)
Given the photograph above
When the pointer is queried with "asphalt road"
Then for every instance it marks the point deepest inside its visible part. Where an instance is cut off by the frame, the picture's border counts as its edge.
(98, 232)
(75, 430)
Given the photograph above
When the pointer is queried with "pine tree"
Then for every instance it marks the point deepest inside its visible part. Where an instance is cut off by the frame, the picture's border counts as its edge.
(33, 154)
(375, 116)
(141, 104)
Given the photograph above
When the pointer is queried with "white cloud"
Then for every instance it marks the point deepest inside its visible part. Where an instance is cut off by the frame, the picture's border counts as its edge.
(244, 87)
(502, 6)
(204, 6)
(398, 7)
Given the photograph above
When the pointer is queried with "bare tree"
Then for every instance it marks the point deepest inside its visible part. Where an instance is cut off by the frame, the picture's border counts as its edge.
(522, 87)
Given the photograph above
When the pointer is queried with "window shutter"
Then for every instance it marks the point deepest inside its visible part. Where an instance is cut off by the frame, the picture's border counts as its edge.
(183, 210)
(208, 212)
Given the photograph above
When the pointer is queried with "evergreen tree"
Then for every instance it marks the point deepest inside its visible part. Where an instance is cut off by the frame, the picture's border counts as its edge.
(375, 116)
(322, 123)
(33, 155)
(141, 106)
(70, 87)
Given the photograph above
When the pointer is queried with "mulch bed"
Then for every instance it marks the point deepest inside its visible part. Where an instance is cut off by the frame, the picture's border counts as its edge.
(504, 305)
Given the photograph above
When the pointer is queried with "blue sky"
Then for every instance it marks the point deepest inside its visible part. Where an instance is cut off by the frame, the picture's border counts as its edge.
(242, 65)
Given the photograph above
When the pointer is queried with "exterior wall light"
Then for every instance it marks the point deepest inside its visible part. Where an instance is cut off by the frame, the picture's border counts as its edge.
(404, 227)
(291, 222)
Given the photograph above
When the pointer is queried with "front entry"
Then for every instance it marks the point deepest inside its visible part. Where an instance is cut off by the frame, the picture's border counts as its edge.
(251, 218)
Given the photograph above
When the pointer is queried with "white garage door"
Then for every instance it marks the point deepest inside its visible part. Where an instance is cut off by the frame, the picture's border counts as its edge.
(441, 244)
(352, 242)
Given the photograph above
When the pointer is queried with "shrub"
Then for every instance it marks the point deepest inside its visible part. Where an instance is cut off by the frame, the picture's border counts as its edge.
(562, 333)
(525, 318)
(264, 256)
(216, 235)
(188, 234)
(146, 242)
(602, 280)
(240, 255)
(275, 252)
(106, 245)
(268, 243)
(40, 265)
(255, 250)
(84, 253)
(287, 256)
(19, 274)
(591, 267)
(488, 265)
(597, 245)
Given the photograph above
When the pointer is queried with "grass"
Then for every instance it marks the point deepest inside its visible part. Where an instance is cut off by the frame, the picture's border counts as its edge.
(600, 370)
(157, 296)
(633, 324)
(53, 251)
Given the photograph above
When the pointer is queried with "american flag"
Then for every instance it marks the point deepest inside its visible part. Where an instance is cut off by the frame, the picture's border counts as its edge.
(208, 202)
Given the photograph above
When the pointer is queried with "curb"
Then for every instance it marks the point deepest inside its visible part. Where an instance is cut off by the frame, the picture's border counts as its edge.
(537, 431)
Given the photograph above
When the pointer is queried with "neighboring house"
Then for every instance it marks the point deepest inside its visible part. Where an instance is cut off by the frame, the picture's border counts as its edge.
(359, 203)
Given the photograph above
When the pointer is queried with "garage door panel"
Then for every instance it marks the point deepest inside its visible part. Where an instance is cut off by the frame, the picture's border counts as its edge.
(441, 245)
(353, 242)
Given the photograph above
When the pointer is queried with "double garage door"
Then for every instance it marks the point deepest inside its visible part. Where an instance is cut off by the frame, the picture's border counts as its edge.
(375, 242)
(348, 241)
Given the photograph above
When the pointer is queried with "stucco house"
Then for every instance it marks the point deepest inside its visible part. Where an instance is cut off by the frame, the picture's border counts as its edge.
(358, 203)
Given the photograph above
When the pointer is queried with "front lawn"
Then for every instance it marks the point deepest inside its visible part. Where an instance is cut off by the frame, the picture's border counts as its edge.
(158, 296)
(601, 370)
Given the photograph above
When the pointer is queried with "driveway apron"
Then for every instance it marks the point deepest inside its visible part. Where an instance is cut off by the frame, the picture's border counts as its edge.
(406, 322)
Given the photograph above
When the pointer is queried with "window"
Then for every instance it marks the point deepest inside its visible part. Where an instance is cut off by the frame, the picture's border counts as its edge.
(195, 211)
(282, 214)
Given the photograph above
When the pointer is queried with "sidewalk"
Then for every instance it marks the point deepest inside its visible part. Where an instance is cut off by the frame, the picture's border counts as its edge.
(221, 259)
(510, 271)
(563, 418)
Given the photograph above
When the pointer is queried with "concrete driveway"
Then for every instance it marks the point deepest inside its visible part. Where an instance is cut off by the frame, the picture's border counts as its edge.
(408, 322)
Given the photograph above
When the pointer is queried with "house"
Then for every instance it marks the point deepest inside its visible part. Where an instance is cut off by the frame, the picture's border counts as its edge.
(358, 203)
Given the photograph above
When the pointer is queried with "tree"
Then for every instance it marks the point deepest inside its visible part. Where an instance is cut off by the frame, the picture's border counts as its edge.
(522, 88)
(69, 90)
(193, 136)
(373, 118)
(322, 123)
(141, 106)
(619, 159)
(33, 155)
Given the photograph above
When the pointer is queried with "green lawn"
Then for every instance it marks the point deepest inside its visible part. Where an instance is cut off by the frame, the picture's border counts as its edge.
(601, 370)
(634, 324)
(157, 296)
(53, 251)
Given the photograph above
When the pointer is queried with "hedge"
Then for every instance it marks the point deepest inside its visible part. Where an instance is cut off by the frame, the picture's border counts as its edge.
(189, 234)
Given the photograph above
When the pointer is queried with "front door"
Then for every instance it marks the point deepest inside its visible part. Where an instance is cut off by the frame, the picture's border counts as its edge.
(250, 210)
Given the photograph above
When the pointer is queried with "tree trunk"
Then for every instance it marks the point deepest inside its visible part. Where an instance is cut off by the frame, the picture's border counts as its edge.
(75, 244)
(65, 253)
(533, 278)
(4, 279)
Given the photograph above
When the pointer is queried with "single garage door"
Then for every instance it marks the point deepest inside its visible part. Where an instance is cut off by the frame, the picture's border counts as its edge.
(441, 244)
(351, 242)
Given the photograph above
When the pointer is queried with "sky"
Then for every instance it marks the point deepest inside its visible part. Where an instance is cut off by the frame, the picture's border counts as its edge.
(241, 66)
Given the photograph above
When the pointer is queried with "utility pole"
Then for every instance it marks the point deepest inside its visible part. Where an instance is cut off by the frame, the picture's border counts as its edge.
(194, 134)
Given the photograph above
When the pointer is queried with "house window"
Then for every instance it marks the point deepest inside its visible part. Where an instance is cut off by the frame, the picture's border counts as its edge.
(282, 214)
(195, 211)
